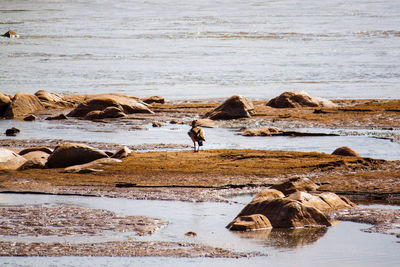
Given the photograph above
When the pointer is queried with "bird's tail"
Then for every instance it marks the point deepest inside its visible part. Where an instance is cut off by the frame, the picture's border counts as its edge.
(200, 142)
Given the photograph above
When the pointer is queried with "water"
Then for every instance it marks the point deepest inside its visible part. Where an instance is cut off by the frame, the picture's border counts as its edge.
(120, 132)
(201, 49)
(342, 244)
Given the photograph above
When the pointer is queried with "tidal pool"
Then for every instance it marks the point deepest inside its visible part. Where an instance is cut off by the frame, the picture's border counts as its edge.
(342, 244)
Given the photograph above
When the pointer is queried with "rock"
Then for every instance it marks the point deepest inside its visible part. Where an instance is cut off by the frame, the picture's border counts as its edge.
(335, 202)
(156, 124)
(23, 104)
(286, 213)
(12, 131)
(5, 101)
(177, 122)
(268, 194)
(57, 117)
(295, 184)
(90, 166)
(122, 153)
(345, 151)
(295, 99)
(10, 160)
(154, 99)
(11, 34)
(51, 100)
(32, 149)
(108, 113)
(235, 107)
(190, 233)
(310, 200)
(70, 154)
(30, 118)
(250, 222)
(205, 123)
(124, 103)
(263, 131)
(35, 160)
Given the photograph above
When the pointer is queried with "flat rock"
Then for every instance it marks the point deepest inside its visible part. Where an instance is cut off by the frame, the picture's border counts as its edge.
(154, 99)
(295, 99)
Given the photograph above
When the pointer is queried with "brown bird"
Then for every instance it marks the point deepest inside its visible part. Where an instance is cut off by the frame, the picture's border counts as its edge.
(197, 135)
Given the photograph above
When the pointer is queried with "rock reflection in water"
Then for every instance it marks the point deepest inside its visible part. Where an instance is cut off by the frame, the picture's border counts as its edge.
(286, 238)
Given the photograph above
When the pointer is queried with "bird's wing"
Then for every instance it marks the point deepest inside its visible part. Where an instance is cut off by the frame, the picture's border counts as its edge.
(199, 134)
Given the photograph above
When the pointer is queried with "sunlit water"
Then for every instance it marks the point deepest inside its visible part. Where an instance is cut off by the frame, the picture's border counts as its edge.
(202, 49)
(343, 244)
(216, 138)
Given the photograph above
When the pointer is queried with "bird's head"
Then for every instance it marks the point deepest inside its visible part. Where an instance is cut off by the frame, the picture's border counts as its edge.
(194, 123)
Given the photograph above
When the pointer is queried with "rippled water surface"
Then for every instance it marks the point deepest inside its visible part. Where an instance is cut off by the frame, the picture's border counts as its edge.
(202, 49)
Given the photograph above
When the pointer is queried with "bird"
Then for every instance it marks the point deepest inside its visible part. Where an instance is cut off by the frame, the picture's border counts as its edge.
(197, 135)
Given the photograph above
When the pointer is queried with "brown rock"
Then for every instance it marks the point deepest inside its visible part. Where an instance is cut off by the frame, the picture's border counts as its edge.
(310, 200)
(35, 160)
(122, 153)
(154, 99)
(30, 118)
(23, 104)
(90, 166)
(5, 101)
(11, 34)
(286, 213)
(57, 117)
(108, 113)
(156, 124)
(268, 194)
(124, 103)
(70, 154)
(205, 123)
(10, 160)
(51, 100)
(12, 131)
(335, 202)
(294, 99)
(263, 131)
(235, 107)
(32, 149)
(251, 222)
(295, 184)
(345, 151)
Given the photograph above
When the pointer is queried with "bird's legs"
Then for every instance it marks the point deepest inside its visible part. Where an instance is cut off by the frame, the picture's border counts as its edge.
(194, 147)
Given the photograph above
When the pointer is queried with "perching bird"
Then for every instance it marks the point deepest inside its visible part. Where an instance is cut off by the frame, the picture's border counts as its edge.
(197, 135)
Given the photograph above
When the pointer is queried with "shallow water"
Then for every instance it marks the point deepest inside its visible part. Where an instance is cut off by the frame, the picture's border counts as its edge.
(216, 138)
(343, 244)
(201, 49)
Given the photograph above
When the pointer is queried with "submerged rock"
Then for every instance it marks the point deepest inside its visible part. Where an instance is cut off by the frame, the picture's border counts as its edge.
(294, 99)
(57, 117)
(12, 131)
(30, 118)
(235, 107)
(70, 154)
(345, 151)
(108, 113)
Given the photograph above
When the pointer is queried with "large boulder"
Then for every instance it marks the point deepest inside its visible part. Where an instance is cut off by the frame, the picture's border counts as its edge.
(124, 103)
(295, 99)
(70, 154)
(345, 151)
(251, 222)
(235, 107)
(5, 101)
(286, 213)
(10, 160)
(23, 104)
(295, 184)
